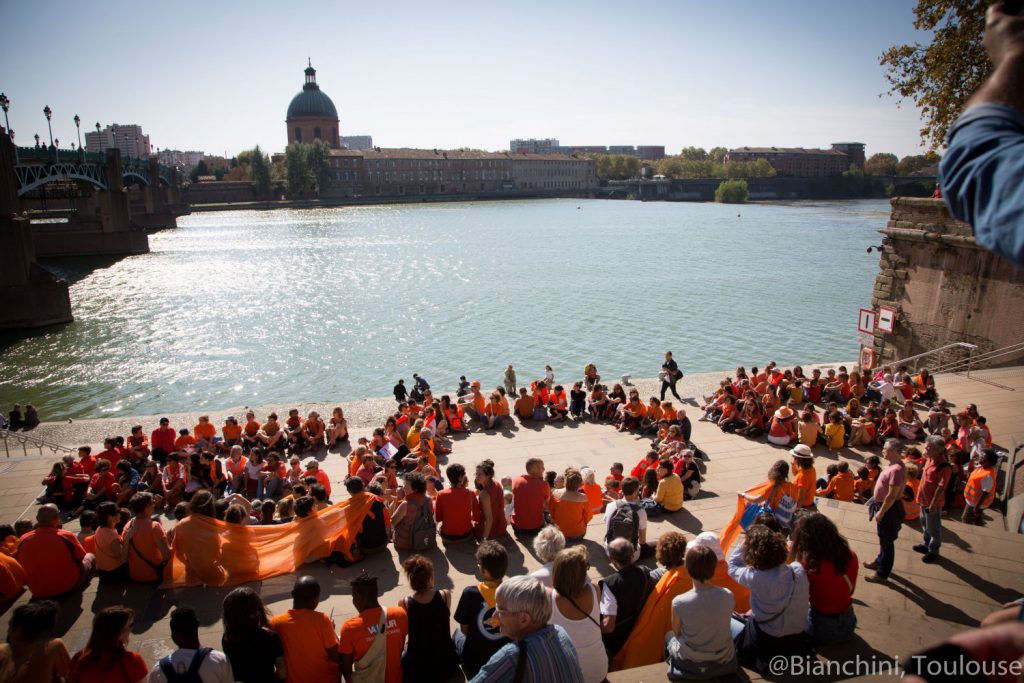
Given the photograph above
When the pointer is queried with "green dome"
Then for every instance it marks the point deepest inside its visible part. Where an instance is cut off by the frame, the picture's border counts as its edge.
(311, 102)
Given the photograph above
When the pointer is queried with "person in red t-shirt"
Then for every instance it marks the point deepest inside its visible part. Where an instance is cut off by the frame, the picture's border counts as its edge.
(101, 487)
(110, 452)
(358, 634)
(86, 460)
(162, 441)
(832, 572)
(530, 494)
(54, 560)
(106, 657)
(456, 509)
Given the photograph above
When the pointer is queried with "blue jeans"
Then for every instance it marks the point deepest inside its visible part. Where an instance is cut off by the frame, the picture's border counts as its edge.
(831, 628)
(888, 532)
(931, 523)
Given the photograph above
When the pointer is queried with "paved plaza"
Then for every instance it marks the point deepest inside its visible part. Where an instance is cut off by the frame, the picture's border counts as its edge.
(922, 604)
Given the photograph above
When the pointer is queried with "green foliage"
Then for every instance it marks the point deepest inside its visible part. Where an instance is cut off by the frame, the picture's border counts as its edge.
(617, 166)
(717, 154)
(305, 168)
(259, 170)
(913, 163)
(678, 167)
(693, 154)
(890, 190)
(732, 192)
(939, 77)
(882, 163)
(200, 170)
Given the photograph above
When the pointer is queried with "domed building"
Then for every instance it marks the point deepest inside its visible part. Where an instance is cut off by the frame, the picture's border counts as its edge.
(312, 115)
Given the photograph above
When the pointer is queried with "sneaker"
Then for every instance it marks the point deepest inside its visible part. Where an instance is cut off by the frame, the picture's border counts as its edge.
(921, 548)
(875, 578)
(870, 565)
(929, 558)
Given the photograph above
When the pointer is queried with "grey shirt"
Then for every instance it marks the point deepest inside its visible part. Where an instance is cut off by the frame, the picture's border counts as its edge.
(704, 616)
(779, 597)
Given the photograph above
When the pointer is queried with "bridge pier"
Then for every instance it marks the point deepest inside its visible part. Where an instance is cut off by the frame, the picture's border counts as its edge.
(107, 232)
(30, 295)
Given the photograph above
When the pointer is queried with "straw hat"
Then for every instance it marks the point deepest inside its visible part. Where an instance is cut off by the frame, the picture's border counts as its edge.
(803, 452)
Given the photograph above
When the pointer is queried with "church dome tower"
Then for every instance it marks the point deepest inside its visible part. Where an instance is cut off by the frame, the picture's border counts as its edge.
(311, 114)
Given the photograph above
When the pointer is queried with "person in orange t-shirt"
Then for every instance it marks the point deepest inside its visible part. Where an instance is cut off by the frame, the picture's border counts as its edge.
(842, 486)
(184, 440)
(310, 644)
(805, 480)
(232, 433)
(12, 578)
(359, 632)
(250, 431)
(204, 430)
(570, 509)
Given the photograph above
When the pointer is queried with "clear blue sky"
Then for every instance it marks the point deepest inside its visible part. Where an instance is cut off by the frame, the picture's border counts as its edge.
(218, 76)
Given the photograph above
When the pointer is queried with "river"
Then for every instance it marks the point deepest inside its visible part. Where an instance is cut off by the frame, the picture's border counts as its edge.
(253, 308)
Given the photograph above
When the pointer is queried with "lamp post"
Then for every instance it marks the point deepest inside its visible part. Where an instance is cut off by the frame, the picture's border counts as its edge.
(49, 114)
(78, 129)
(37, 140)
(6, 104)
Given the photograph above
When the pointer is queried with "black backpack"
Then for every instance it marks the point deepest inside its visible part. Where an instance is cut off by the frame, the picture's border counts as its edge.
(190, 676)
(624, 523)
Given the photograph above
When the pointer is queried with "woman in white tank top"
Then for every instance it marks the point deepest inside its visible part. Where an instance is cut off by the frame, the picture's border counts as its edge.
(576, 606)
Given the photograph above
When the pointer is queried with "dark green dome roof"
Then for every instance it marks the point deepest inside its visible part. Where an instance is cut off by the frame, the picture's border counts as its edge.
(312, 101)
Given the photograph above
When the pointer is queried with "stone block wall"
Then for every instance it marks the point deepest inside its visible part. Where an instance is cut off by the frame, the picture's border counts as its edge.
(944, 287)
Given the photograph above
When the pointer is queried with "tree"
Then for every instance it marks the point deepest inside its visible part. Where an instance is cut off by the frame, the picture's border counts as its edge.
(913, 163)
(732, 192)
(693, 154)
(717, 154)
(299, 179)
(319, 156)
(882, 163)
(259, 171)
(616, 166)
(201, 169)
(939, 77)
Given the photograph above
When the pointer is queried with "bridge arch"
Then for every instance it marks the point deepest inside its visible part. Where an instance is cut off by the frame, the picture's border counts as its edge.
(33, 177)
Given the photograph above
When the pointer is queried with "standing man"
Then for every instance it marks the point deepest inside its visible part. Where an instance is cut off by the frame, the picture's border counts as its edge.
(401, 393)
(670, 374)
(510, 380)
(530, 493)
(931, 496)
(886, 507)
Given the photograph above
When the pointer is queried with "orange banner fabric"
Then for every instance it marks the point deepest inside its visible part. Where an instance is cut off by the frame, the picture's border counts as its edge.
(646, 644)
(209, 552)
(732, 530)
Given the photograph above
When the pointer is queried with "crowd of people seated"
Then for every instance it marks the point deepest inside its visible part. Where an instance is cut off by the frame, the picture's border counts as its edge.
(784, 588)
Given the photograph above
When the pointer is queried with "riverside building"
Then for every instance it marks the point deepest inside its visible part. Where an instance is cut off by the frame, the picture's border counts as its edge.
(380, 171)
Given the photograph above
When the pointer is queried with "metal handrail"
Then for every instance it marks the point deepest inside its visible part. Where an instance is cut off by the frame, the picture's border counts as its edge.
(974, 361)
(27, 441)
(963, 345)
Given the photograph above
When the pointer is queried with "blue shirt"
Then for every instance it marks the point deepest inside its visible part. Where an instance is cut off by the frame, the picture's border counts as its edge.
(550, 658)
(982, 177)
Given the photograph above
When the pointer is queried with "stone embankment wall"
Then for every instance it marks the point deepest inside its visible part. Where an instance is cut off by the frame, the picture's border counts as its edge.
(944, 287)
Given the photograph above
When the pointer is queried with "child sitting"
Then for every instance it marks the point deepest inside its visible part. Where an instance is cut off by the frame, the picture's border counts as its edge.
(612, 488)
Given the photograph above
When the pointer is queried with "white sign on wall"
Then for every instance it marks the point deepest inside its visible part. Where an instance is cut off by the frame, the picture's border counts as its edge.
(866, 322)
(886, 319)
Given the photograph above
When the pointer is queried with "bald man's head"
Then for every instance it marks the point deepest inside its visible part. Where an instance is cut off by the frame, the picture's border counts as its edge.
(48, 515)
(620, 552)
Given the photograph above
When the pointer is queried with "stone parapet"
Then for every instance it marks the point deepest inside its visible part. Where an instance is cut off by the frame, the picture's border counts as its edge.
(943, 286)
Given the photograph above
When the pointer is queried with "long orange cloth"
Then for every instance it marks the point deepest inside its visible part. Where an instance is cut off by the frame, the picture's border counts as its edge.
(646, 644)
(208, 552)
(732, 529)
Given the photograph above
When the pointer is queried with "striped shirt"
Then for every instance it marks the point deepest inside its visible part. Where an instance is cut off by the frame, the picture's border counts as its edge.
(550, 658)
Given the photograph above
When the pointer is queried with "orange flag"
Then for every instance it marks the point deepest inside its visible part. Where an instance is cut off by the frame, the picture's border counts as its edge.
(209, 552)
(732, 529)
(646, 644)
